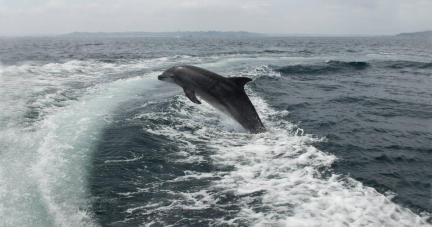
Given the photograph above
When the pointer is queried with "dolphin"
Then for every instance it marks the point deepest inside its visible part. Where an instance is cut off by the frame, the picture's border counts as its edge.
(226, 94)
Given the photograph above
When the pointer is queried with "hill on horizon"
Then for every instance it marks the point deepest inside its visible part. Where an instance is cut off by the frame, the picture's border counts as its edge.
(416, 34)
(165, 34)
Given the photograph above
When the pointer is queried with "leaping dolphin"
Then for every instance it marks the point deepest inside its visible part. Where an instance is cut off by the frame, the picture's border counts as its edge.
(224, 93)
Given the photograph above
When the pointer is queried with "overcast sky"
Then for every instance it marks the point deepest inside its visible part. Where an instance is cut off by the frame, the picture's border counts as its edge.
(338, 17)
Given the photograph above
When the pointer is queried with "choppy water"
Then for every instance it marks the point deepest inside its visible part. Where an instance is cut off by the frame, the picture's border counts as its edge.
(90, 137)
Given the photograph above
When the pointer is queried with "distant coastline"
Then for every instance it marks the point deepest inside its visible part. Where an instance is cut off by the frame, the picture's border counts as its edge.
(198, 34)
(417, 34)
(215, 34)
(165, 34)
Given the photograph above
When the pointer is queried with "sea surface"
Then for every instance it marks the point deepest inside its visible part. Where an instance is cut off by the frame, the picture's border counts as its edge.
(90, 137)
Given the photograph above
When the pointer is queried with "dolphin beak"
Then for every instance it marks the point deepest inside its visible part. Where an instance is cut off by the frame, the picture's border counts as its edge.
(160, 77)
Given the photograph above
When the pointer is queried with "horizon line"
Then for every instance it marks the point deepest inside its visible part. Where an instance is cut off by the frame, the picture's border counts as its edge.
(258, 33)
(201, 31)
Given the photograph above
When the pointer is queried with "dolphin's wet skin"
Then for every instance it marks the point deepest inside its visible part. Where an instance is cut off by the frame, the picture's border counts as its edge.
(225, 94)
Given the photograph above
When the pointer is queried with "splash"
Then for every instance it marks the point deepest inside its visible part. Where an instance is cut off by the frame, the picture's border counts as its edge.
(276, 178)
(44, 162)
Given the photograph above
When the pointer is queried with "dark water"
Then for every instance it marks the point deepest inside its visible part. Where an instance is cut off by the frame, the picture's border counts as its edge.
(90, 137)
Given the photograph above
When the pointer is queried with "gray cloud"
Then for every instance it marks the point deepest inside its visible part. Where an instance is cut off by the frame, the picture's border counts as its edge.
(270, 16)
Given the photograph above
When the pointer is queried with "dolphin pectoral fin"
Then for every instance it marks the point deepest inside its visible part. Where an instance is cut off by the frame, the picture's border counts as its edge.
(240, 81)
(191, 95)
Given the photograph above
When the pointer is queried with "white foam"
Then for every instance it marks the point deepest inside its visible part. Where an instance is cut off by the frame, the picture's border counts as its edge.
(68, 140)
(261, 71)
(44, 166)
(282, 165)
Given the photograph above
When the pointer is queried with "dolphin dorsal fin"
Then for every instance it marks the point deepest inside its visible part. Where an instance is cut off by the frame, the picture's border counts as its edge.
(191, 95)
(240, 81)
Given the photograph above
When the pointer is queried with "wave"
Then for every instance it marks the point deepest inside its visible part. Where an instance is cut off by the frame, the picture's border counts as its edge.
(332, 66)
(388, 107)
(268, 179)
(326, 68)
(353, 64)
(274, 51)
(53, 115)
(186, 163)
(407, 64)
(195, 164)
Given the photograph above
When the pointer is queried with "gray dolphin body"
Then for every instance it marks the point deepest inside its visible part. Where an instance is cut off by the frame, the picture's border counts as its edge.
(224, 93)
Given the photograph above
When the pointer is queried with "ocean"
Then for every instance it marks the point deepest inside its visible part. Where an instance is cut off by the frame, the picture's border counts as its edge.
(90, 137)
